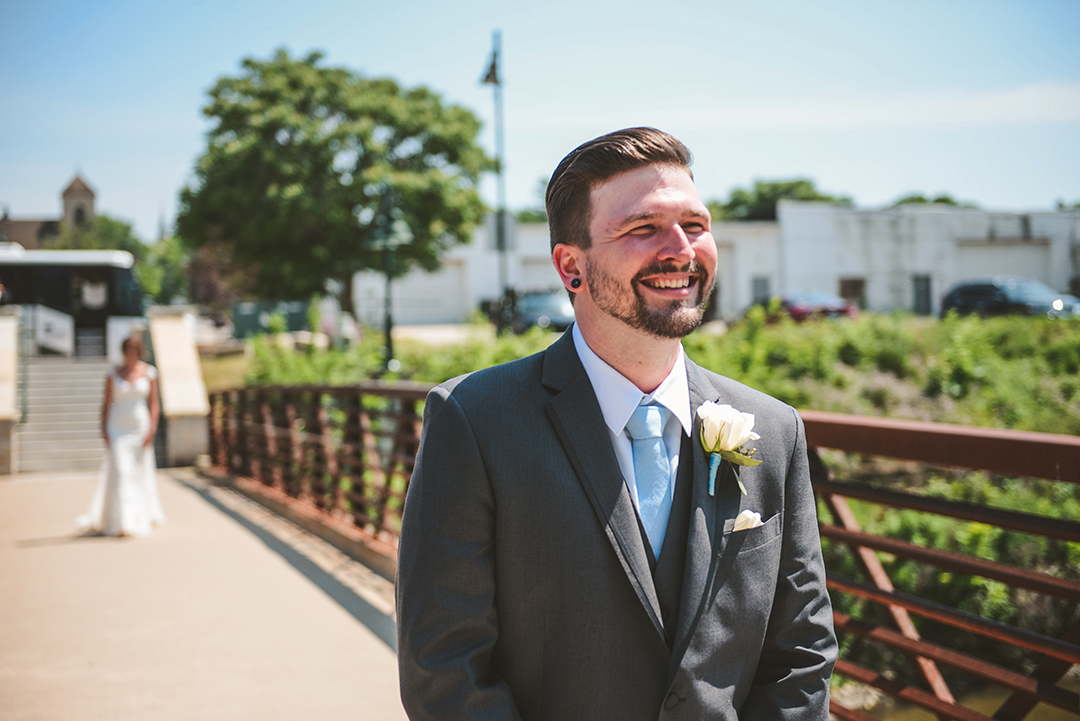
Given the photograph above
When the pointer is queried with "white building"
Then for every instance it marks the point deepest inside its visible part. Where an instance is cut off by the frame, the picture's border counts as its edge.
(900, 258)
(470, 275)
(908, 257)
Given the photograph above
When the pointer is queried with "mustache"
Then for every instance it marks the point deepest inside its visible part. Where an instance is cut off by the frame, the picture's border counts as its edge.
(693, 268)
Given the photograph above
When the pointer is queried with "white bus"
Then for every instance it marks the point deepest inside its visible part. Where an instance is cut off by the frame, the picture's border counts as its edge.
(75, 302)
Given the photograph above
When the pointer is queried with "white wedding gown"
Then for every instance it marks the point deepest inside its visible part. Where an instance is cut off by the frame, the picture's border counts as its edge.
(126, 500)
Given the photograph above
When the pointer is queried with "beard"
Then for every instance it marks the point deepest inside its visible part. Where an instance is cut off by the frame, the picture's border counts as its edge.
(676, 319)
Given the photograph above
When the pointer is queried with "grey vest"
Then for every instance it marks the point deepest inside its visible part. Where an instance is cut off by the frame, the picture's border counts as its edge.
(667, 571)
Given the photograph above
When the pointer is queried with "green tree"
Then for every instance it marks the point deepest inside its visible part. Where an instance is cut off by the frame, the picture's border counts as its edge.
(920, 199)
(303, 163)
(101, 233)
(532, 215)
(760, 202)
(539, 213)
(163, 273)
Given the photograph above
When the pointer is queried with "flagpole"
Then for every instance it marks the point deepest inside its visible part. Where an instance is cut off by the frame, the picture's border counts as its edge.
(500, 154)
(493, 78)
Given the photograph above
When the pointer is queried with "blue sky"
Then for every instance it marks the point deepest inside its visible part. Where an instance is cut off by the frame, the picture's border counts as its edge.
(873, 100)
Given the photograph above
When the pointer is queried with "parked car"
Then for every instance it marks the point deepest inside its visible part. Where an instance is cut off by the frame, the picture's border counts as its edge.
(548, 309)
(1009, 295)
(802, 305)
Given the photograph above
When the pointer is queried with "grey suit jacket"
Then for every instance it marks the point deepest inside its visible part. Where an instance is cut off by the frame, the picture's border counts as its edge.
(524, 589)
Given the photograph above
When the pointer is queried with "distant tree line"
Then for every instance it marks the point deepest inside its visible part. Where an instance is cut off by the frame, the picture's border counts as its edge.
(760, 201)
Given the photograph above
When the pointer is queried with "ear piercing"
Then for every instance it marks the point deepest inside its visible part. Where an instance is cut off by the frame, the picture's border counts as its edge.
(575, 283)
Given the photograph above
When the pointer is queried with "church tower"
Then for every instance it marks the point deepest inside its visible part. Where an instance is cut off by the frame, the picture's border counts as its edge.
(78, 203)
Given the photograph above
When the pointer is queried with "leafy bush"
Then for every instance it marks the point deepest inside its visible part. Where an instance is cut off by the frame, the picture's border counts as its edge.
(275, 364)
(424, 363)
(1001, 372)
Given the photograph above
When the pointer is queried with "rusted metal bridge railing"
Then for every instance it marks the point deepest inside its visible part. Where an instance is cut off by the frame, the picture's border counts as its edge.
(999, 452)
(349, 452)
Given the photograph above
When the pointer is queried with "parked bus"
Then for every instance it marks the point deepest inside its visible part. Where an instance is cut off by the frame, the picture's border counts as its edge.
(75, 301)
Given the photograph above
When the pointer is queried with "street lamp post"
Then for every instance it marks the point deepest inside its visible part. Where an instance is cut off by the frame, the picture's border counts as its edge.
(391, 232)
(506, 303)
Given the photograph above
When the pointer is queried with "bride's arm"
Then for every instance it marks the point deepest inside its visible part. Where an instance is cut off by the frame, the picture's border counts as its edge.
(105, 403)
(155, 411)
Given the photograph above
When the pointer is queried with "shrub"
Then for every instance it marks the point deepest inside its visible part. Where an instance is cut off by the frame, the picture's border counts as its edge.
(1003, 372)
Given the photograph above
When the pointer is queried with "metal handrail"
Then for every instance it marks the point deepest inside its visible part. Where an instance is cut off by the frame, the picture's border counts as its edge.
(349, 451)
(1009, 453)
(997, 451)
(26, 348)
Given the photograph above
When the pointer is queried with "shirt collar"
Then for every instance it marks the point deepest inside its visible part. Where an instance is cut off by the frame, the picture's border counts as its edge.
(618, 396)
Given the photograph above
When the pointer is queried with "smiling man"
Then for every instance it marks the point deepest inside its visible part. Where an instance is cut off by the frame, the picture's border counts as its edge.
(566, 550)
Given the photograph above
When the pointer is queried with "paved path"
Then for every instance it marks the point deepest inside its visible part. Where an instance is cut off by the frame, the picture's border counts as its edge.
(225, 612)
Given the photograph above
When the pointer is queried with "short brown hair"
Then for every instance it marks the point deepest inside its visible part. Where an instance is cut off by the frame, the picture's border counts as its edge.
(594, 162)
(133, 341)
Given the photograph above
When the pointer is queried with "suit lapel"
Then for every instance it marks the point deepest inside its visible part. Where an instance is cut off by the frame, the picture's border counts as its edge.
(576, 416)
(704, 539)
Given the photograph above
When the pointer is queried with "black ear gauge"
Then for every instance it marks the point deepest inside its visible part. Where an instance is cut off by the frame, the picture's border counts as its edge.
(575, 283)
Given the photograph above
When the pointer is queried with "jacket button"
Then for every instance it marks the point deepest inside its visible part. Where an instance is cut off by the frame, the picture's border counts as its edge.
(671, 701)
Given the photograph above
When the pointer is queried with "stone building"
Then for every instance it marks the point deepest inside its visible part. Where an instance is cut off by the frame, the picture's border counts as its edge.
(77, 206)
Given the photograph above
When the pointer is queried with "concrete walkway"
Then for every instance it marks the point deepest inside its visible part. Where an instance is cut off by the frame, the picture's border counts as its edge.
(225, 612)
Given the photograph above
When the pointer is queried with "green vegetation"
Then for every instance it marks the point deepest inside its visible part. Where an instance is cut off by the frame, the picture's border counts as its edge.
(223, 372)
(1011, 372)
(1003, 372)
(163, 271)
(306, 164)
(273, 364)
(537, 214)
(941, 199)
(1019, 373)
(532, 215)
(759, 203)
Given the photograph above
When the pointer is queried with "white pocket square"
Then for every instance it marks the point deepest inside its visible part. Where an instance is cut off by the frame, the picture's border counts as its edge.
(746, 520)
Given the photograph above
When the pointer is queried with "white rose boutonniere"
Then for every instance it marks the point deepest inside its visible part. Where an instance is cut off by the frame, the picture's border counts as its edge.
(724, 435)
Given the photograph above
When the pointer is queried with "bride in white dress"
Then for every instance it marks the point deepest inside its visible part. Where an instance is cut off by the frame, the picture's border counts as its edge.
(126, 502)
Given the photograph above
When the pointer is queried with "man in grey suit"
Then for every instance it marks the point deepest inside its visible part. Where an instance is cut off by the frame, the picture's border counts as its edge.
(564, 554)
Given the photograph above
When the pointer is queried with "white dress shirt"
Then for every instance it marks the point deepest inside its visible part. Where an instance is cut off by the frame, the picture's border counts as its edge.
(618, 397)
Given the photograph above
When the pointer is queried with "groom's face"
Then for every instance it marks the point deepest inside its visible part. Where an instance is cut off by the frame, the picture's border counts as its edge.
(652, 262)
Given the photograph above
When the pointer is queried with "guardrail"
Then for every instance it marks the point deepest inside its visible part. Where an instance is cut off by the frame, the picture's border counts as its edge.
(349, 452)
(1000, 452)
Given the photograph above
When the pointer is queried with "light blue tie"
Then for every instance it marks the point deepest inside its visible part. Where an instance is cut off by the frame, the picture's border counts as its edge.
(652, 471)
